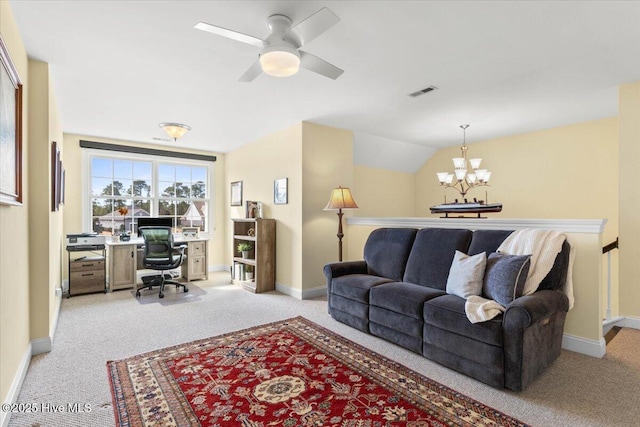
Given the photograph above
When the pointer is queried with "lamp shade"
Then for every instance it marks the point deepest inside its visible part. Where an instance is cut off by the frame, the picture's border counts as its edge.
(341, 198)
(175, 130)
(280, 61)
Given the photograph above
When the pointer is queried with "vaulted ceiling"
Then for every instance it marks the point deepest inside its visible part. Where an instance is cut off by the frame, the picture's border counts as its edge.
(121, 67)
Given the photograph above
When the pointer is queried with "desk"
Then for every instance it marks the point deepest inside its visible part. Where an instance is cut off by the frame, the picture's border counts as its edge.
(124, 259)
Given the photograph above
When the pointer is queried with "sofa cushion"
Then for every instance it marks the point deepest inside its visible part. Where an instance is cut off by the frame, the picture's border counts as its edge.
(487, 241)
(387, 250)
(505, 277)
(447, 313)
(406, 325)
(466, 274)
(356, 286)
(404, 298)
(432, 254)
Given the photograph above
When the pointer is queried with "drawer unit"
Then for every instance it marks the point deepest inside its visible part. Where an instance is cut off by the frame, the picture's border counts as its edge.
(197, 248)
(87, 276)
(195, 266)
(88, 264)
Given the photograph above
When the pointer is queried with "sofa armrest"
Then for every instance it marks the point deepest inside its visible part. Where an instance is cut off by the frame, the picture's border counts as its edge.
(529, 309)
(533, 326)
(338, 269)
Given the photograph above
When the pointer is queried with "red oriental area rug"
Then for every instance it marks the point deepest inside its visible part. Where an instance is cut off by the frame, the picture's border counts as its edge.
(288, 373)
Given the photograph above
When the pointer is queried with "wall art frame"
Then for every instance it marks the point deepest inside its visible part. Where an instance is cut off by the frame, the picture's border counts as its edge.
(281, 191)
(57, 178)
(10, 130)
(236, 193)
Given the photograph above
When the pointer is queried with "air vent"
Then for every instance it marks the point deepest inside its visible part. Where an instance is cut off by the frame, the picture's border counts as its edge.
(161, 139)
(422, 91)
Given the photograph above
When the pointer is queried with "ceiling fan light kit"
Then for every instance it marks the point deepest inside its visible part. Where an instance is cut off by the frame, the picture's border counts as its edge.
(281, 55)
(280, 61)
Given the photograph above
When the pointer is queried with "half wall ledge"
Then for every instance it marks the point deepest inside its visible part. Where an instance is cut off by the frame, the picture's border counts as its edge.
(595, 226)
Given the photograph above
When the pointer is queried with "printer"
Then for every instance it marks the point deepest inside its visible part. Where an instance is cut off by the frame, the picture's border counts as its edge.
(85, 241)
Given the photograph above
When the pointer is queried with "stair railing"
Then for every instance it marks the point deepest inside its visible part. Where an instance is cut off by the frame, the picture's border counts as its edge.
(607, 250)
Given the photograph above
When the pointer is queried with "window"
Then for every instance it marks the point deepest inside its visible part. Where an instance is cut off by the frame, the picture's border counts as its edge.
(125, 188)
(183, 193)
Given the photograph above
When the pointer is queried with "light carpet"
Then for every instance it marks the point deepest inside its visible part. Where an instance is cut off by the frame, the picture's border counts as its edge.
(576, 390)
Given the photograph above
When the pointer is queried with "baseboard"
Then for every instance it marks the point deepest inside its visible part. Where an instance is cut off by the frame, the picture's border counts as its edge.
(41, 345)
(593, 348)
(16, 385)
(318, 291)
(301, 293)
(54, 322)
(219, 267)
(629, 322)
(288, 290)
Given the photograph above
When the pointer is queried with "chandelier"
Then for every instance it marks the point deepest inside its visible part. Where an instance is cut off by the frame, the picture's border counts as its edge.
(460, 179)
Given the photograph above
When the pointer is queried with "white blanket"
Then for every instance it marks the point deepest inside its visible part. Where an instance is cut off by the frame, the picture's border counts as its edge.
(543, 246)
(480, 309)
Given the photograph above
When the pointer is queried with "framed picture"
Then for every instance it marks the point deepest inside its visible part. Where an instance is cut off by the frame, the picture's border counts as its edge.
(10, 130)
(252, 209)
(190, 232)
(280, 191)
(236, 193)
(55, 176)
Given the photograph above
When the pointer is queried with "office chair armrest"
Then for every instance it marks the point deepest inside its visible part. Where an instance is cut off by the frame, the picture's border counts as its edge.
(180, 249)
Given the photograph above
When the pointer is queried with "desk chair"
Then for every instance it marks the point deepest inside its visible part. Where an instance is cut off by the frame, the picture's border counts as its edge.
(160, 254)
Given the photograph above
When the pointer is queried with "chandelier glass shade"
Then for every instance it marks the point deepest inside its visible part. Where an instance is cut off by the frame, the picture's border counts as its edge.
(175, 130)
(461, 179)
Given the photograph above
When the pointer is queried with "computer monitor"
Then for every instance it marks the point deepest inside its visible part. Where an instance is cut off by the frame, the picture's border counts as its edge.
(149, 221)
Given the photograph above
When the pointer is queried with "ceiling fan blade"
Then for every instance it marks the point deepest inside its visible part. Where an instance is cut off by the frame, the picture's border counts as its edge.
(320, 66)
(254, 71)
(312, 27)
(234, 35)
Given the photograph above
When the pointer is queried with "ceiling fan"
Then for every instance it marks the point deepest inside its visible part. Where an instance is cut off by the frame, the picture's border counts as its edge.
(281, 55)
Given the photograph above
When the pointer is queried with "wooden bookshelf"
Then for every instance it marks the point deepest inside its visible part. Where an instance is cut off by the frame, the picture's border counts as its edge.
(261, 234)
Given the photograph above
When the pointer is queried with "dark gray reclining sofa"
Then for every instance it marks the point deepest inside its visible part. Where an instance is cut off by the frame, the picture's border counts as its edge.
(398, 293)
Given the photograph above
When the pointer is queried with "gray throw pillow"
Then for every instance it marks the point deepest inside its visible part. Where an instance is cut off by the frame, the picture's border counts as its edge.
(505, 276)
(466, 274)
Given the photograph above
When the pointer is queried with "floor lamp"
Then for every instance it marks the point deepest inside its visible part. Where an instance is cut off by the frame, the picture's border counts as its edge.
(340, 199)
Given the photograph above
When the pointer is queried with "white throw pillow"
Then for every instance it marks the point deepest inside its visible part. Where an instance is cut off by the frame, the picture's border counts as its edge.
(466, 274)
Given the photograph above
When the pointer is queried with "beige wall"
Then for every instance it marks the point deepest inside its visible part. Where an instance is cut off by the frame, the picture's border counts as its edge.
(14, 231)
(629, 114)
(57, 260)
(257, 165)
(381, 192)
(327, 162)
(316, 159)
(565, 172)
(45, 226)
(75, 175)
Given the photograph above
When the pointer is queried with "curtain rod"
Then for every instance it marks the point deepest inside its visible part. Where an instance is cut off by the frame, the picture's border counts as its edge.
(142, 150)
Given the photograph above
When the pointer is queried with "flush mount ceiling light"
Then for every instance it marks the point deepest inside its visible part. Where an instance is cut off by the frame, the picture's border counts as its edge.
(175, 130)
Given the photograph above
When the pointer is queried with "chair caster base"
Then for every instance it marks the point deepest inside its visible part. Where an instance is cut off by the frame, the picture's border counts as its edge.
(186, 289)
(160, 295)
